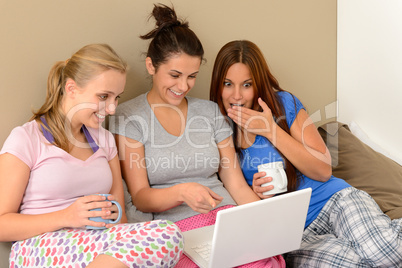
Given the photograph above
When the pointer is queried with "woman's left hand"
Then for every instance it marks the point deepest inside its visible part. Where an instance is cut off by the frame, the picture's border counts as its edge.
(113, 212)
(259, 123)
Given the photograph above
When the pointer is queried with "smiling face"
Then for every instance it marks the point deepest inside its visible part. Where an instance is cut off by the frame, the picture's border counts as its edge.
(238, 87)
(173, 79)
(90, 104)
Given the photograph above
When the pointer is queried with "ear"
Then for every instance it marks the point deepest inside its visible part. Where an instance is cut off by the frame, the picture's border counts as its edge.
(150, 66)
(70, 87)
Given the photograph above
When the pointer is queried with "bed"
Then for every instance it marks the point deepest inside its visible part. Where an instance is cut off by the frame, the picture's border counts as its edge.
(352, 160)
(363, 167)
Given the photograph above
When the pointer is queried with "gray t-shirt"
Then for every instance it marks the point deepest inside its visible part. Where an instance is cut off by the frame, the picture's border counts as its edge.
(170, 160)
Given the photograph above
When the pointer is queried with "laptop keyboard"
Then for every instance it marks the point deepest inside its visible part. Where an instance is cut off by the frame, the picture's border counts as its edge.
(204, 250)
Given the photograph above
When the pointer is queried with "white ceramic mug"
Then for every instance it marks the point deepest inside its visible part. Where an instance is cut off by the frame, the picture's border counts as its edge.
(276, 171)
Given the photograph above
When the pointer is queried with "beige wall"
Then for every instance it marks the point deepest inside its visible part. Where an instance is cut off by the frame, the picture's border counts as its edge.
(297, 37)
(369, 64)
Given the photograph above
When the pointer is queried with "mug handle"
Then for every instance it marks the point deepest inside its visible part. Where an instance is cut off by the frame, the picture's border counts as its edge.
(284, 180)
(120, 211)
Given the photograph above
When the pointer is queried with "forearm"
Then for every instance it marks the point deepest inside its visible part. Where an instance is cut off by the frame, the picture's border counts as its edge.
(243, 195)
(17, 226)
(315, 164)
(232, 176)
(157, 200)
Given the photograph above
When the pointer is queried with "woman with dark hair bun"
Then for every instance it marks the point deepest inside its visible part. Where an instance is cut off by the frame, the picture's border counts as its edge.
(173, 147)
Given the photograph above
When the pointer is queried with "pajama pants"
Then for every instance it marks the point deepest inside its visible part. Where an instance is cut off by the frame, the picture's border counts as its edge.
(350, 231)
(146, 244)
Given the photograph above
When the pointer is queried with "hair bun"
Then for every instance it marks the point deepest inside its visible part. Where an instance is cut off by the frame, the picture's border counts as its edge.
(165, 18)
(170, 36)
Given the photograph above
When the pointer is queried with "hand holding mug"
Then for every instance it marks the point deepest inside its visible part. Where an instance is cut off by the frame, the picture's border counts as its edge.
(105, 220)
(259, 179)
(279, 180)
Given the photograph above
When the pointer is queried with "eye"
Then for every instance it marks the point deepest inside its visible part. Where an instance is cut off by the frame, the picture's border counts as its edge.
(118, 97)
(103, 97)
(193, 76)
(227, 84)
(247, 85)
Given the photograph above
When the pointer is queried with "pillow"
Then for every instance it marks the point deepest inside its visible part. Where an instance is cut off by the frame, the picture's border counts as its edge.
(361, 135)
(362, 167)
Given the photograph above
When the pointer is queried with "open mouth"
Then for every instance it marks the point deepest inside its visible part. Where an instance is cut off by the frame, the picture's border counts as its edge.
(236, 104)
(176, 93)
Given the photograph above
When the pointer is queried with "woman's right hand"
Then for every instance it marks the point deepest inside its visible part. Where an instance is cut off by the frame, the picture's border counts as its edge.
(259, 179)
(77, 214)
(199, 197)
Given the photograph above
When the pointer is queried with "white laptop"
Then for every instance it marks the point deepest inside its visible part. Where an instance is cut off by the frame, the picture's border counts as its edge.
(250, 232)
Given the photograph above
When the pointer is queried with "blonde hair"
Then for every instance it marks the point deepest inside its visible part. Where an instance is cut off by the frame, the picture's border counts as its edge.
(85, 64)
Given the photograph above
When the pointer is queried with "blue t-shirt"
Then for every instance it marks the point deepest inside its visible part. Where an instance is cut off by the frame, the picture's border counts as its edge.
(262, 151)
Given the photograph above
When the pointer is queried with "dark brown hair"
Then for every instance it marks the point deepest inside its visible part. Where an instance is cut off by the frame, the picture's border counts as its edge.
(264, 84)
(171, 36)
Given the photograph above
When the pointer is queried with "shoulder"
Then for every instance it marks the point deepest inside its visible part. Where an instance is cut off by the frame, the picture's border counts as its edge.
(199, 101)
(289, 101)
(24, 142)
(132, 106)
(202, 106)
(28, 131)
(287, 97)
(208, 111)
(291, 105)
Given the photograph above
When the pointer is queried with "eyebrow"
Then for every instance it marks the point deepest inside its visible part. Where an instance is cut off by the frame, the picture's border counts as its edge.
(176, 71)
(111, 92)
(245, 81)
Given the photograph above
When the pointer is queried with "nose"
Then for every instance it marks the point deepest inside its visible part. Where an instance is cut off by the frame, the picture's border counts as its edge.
(182, 84)
(237, 94)
(111, 108)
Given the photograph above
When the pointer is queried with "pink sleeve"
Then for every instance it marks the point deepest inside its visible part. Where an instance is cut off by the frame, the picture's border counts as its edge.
(19, 143)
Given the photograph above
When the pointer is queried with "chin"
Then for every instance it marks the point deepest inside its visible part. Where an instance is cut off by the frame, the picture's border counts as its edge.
(96, 122)
(94, 125)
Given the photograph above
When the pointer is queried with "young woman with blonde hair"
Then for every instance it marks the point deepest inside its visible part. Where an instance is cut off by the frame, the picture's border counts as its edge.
(53, 167)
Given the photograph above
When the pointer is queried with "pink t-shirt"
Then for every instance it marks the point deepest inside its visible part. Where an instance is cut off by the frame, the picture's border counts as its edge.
(57, 179)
